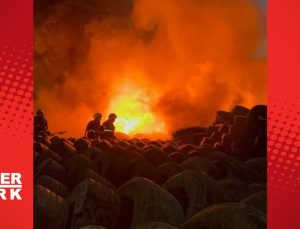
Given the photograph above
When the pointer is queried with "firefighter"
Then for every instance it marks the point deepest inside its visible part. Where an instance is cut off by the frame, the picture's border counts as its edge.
(40, 125)
(109, 127)
(94, 128)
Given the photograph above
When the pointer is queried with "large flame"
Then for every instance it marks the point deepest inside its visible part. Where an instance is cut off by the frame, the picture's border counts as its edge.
(135, 116)
(181, 61)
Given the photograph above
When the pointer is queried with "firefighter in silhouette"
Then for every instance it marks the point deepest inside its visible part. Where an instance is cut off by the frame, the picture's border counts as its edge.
(109, 127)
(40, 125)
(94, 129)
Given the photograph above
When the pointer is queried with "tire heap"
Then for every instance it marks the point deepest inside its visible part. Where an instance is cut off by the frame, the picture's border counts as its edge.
(210, 178)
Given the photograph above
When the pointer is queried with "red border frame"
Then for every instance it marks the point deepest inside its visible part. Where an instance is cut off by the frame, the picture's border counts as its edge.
(16, 106)
(16, 41)
(283, 114)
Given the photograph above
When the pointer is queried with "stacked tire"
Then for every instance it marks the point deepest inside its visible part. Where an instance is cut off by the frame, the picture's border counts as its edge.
(206, 177)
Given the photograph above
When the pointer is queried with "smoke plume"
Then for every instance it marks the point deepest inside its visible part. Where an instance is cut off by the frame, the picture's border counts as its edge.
(160, 65)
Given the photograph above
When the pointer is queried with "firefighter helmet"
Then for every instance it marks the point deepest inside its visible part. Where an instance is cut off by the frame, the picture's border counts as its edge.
(97, 115)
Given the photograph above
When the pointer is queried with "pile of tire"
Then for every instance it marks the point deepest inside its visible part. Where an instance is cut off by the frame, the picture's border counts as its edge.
(218, 181)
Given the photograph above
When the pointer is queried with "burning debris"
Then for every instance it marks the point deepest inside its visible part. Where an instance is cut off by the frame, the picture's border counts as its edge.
(210, 177)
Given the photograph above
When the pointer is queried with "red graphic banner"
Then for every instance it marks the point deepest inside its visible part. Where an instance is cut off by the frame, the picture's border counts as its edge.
(283, 114)
(16, 106)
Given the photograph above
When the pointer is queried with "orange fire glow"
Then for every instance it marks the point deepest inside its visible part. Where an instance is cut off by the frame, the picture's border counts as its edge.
(160, 65)
(131, 105)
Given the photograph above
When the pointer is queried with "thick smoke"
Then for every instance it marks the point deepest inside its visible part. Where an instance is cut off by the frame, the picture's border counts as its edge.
(187, 58)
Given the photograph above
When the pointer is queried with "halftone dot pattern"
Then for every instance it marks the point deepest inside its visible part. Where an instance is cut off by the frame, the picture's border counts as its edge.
(283, 143)
(16, 91)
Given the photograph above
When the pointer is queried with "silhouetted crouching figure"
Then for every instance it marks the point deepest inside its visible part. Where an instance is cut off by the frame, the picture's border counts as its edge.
(40, 125)
(94, 129)
(109, 127)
